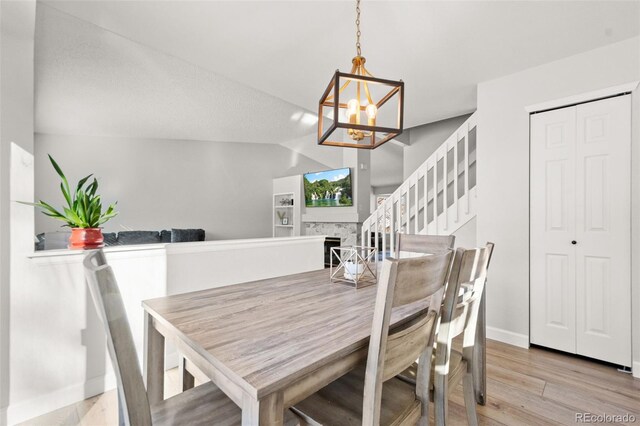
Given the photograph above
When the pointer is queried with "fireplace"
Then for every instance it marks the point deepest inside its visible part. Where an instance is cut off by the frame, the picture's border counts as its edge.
(330, 242)
(347, 233)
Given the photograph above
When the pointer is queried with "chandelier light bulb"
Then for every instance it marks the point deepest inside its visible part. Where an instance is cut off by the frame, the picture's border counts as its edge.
(372, 111)
(353, 111)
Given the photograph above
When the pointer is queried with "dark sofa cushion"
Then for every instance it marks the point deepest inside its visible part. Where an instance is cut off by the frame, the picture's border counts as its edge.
(165, 236)
(186, 235)
(110, 239)
(138, 237)
(40, 242)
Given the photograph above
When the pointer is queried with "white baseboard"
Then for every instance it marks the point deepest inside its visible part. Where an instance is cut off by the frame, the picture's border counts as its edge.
(636, 370)
(25, 410)
(509, 337)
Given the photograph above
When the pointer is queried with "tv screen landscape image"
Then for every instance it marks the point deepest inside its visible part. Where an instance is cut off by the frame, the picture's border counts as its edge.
(330, 188)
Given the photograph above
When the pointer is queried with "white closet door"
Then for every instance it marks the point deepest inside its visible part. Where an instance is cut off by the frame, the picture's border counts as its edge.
(603, 227)
(553, 280)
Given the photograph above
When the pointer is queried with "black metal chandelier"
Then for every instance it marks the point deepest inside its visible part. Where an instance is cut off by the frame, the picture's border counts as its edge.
(358, 110)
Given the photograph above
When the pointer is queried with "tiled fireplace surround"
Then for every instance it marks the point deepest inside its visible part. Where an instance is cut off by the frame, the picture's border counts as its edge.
(348, 232)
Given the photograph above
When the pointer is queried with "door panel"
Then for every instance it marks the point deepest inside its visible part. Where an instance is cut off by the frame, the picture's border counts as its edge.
(557, 270)
(597, 214)
(552, 228)
(603, 228)
(597, 276)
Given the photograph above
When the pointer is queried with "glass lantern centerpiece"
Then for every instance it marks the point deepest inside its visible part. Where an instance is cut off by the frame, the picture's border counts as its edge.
(357, 265)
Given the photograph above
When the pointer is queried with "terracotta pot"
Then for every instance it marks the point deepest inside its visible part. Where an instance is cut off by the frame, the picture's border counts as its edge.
(86, 238)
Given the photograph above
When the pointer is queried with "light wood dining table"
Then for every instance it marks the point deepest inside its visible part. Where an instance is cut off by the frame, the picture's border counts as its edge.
(267, 344)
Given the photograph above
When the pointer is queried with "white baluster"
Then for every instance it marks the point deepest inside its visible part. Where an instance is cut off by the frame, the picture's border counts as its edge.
(426, 199)
(456, 217)
(466, 171)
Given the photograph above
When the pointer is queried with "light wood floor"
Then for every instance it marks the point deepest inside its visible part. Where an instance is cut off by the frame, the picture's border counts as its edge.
(525, 387)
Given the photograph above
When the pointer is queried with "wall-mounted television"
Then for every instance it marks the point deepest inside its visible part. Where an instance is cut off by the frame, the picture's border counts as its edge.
(330, 188)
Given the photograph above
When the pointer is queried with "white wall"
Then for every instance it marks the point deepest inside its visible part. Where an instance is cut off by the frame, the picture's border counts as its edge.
(425, 139)
(386, 164)
(224, 188)
(466, 235)
(503, 172)
(308, 146)
(17, 22)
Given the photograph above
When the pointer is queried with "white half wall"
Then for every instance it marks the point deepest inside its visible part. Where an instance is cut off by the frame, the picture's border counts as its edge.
(503, 171)
(53, 312)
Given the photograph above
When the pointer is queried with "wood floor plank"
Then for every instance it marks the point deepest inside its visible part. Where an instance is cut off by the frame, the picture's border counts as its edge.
(516, 379)
(104, 412)
(524, 387)
(593, 402)
(64, 416)
(554, 359)
(572, 371)
(495, 411)
(511, 405)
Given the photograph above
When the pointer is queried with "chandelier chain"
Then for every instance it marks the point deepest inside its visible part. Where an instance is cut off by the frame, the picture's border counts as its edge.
(358, 33)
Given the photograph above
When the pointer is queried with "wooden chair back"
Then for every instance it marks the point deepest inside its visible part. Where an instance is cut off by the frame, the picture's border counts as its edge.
(423, 244)
(473, 275)
(108, 301)
(401, 282)
(460, 312)
(411, 245)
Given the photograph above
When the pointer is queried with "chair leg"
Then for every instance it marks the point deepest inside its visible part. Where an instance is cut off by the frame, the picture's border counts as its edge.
(423, 381)
(121, 420)
(441, 399)
(470, 399)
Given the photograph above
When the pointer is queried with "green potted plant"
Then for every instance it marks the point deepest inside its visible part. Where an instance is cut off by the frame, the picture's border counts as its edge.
(82, 213)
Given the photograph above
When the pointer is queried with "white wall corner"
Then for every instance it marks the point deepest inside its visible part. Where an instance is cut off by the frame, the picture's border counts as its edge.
(508, 337)
(636, 370)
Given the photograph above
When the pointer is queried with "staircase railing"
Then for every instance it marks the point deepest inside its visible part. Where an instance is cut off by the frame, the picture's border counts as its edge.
(437, 199)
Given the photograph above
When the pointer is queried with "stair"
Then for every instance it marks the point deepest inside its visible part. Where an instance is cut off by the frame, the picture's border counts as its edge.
(437, 199)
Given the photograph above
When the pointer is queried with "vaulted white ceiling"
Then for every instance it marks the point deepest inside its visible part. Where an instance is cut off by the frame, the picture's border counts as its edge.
(90, 81)
(289, 49)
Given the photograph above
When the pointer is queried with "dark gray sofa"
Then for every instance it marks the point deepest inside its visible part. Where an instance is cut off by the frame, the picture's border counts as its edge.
(123, 238)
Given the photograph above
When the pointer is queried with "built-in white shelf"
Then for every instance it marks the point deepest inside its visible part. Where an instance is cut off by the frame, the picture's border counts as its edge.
(287, 202)
(282, 207)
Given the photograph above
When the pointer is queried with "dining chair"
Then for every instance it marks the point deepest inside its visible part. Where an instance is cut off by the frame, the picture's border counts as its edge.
(371, 394)
(202, 405)
(459, 317)
(423, 244)
(411, 245)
